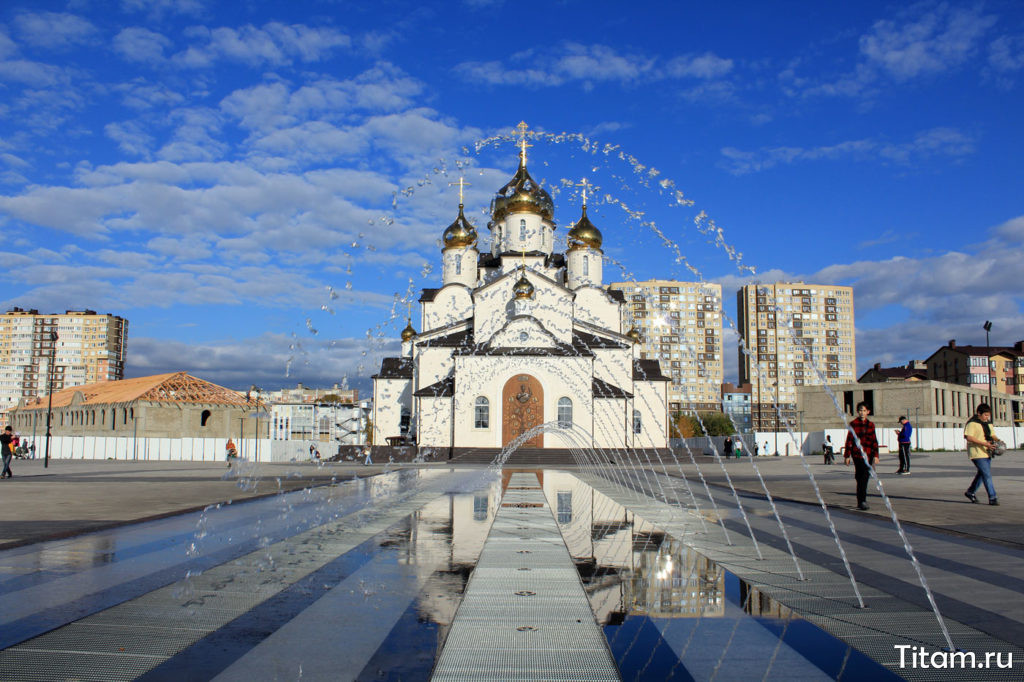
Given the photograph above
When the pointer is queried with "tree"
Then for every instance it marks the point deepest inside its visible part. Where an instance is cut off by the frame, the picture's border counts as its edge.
(717, 424)
(685, 426)
(369, 431)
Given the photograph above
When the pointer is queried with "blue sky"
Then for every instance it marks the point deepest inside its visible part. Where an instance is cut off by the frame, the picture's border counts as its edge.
(260, 189)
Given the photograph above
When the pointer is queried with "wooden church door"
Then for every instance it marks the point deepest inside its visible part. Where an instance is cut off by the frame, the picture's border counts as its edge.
(522, 403)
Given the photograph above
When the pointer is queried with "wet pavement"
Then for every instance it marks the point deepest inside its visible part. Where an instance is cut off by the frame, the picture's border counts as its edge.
(351, 572)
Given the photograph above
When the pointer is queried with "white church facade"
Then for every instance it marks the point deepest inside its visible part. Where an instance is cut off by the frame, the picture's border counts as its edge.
(521, 345)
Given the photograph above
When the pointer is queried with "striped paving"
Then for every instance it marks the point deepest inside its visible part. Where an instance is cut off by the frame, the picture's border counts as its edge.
(525, 615)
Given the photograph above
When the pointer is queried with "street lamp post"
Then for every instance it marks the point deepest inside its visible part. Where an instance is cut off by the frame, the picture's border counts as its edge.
(778, 417)
(988, 367)
(248, 397)
(49, 395)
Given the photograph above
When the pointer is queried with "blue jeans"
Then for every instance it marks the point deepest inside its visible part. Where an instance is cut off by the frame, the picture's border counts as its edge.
(984, 475)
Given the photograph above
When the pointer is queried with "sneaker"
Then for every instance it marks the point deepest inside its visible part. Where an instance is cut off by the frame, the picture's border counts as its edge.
(994, 502)
(972, 497)
(863, 506)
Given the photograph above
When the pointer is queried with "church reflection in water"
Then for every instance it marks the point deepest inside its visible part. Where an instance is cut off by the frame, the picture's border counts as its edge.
(628, 566)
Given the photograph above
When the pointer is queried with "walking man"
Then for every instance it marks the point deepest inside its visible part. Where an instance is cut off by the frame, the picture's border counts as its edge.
(7, 451)
(727, 447)
(980, 444)
(903, 438)
(864, 456)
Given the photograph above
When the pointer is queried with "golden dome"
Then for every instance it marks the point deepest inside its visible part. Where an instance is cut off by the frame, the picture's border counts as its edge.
(522, 289)
(408, 334)
(583, 234)
(634, 335)
(522, 194)
(459, 233)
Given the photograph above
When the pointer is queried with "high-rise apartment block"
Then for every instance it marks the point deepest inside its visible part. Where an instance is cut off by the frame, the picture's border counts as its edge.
(89, 348)
(680, 324)
(797, 334)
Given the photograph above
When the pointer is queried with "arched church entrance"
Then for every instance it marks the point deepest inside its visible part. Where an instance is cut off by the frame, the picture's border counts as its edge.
(522, 403)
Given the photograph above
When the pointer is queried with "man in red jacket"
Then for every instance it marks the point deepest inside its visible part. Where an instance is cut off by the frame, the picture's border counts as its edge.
(868, 450)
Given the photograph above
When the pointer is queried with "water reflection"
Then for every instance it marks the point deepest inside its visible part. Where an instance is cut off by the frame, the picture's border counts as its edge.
(443, 544)
(629, 566)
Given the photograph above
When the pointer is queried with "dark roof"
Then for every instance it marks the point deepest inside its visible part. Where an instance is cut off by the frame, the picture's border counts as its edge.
(982, 351)
(617, 295)
(648, 370)
(395, 368)
(488, 260)
(895, 373)
(445, 388)
(584, 339)
(460, 339)
(428, 294)
(561, 350)
(602, 389)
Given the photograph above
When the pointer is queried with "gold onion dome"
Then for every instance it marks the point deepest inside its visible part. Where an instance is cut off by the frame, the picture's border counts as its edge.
(584, 234)
(634, 335)
(459, 233)
(408, 333)
(522, 194)
(522, 289)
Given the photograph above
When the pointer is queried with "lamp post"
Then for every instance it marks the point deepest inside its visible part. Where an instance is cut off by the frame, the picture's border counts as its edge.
(778, 417)
(988, 367)
(49, 395)
(248, 397)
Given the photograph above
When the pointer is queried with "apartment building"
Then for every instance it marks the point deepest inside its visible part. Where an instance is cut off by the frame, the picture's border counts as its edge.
(680, 325)
(86, 348)
(978, 366)
(796, 334)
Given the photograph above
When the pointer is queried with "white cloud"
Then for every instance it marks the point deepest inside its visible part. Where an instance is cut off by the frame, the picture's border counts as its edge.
(7, 46)
(937, 40)
(271, 361)
(141, 95)
(130, 138)
(1006, 53)
(141, 45)
(275, 44)
(53, 29)
(590, 64)
(159, 8)
(937, 142)
(31, 73)
(707, 65)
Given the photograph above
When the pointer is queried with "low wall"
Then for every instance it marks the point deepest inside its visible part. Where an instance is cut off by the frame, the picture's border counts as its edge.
(948, 439)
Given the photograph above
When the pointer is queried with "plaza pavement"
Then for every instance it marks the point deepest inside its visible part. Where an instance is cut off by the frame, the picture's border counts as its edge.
(78, 496)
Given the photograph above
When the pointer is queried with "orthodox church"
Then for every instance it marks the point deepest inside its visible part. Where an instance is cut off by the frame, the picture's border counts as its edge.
(521, 337)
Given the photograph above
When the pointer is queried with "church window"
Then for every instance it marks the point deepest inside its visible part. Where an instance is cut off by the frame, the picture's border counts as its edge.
(564, 413)
(586, 266)
(522, 230)
(543, 237)
(637, 422)
(482, 413)
(458, 266)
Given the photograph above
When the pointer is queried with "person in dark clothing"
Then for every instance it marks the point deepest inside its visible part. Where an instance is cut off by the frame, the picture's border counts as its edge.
(903, 438)
(7, 451)
(727, 447)
(864, 456)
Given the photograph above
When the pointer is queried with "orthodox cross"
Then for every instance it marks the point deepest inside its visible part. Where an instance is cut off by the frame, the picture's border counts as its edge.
(521, 130)
(584, 184)
(461, 183)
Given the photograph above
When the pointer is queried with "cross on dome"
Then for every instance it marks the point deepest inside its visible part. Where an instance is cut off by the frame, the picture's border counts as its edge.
(461, 183)
(522, 130)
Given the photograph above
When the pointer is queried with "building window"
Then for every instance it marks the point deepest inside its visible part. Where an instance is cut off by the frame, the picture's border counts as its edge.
(482, 413)
(564, 413)
(458, 266)
(204, 417)
(586, 266)
(637, 422)
(543, 236)
(522, 230)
